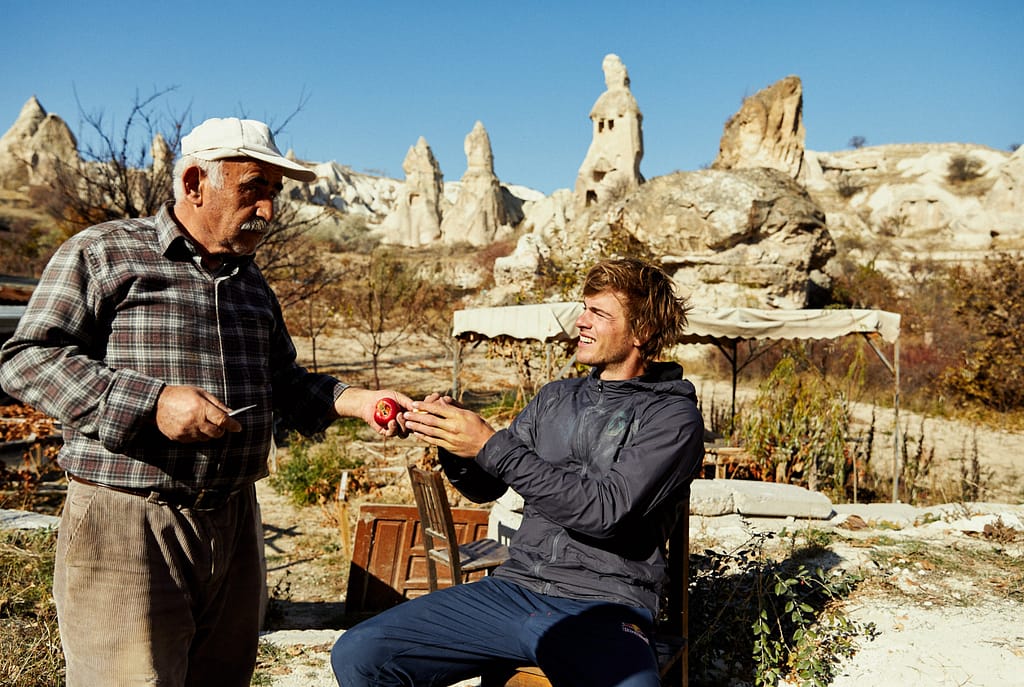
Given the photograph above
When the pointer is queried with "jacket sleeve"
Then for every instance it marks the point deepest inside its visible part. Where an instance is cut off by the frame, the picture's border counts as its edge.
(470, 479)
(653, 468)
(304, 400)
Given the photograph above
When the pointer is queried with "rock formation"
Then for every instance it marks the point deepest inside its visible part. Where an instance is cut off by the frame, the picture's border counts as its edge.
(748, 237)
(162, 155)
(893, 203)
(33, 147)
(742, 233)
(416, 218)
(611, 168)
(767, 131)
(1005, 201)
(480, 214)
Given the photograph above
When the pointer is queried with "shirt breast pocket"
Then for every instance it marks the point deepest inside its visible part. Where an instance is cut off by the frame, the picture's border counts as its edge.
(247, 348)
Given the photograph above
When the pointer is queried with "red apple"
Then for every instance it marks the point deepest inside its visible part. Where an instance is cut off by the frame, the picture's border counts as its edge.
(387, 410)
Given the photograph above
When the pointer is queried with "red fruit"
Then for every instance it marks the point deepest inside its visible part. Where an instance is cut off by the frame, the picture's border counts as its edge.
(387, 410)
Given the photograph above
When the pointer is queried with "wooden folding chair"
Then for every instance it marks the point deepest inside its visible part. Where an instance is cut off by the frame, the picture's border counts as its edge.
(671, 640)
(439, 539)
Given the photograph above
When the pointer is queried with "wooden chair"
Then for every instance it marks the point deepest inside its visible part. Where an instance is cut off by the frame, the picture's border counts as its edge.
(671, 635)
(439, 539)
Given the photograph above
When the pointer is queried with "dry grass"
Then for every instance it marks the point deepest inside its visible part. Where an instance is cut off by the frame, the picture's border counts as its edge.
(30, 654)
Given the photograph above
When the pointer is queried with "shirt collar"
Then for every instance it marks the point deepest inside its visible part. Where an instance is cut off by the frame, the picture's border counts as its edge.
(175, 244)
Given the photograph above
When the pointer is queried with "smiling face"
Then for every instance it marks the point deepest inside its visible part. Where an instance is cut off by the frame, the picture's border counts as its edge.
(606, 339)
(230, 220)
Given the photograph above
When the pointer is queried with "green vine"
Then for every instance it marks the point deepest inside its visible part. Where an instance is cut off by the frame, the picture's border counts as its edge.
(762, 620)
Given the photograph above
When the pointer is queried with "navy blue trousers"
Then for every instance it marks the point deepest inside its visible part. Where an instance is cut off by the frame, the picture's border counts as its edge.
(488, 628)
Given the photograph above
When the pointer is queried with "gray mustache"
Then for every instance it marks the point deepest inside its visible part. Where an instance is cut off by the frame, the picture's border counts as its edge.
(257, 224)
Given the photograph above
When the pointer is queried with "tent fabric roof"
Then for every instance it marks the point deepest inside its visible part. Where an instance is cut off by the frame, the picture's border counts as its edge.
(556, 322)
(708, 325)
(543, 322)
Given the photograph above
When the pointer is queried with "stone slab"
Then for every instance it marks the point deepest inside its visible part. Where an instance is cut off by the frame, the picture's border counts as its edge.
(770, 499)
(26, 520)
(711, 497)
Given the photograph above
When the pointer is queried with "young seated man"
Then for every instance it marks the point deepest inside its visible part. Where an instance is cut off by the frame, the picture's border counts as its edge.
(602, 462)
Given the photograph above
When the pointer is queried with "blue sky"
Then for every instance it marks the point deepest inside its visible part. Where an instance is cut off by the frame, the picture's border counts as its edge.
(378, 75)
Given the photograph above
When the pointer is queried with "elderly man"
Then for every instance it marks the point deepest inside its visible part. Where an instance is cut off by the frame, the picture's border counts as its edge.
(141, 338)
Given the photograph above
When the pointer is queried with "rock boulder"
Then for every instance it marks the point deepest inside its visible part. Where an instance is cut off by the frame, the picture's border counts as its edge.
(747, 237)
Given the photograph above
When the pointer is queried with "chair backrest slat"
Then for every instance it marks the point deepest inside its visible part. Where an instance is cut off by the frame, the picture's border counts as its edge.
(436, 522)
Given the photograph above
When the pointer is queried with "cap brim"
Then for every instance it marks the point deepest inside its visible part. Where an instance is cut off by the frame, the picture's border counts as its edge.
(292, 170)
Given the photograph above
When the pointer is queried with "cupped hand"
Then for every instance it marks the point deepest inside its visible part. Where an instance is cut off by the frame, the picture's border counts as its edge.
(439, 421)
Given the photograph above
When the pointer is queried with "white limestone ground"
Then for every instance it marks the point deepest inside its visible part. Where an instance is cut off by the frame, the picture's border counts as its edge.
(927, 634)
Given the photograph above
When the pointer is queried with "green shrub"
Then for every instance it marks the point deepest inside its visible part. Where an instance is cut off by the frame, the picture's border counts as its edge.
(963, 168)
(312, 470)
(761, 619)
(796, 430)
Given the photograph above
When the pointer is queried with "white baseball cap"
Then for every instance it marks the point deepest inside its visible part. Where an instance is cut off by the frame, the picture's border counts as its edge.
(216, 139)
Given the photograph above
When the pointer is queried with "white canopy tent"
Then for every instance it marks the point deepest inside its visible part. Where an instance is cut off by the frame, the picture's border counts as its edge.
(548, 323)
(724, 328)
(542, 322)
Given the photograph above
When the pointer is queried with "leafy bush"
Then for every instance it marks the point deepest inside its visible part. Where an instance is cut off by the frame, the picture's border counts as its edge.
(847, 187)
(796, 430)
(313, 469)
(989, 302)
(761, 619)
(963, 168)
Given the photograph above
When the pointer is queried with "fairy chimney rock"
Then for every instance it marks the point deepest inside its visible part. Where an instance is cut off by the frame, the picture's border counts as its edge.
(416, 218)
(611, 168)
(33, 147)
(163, 156)
(479, 215)
(768, 131)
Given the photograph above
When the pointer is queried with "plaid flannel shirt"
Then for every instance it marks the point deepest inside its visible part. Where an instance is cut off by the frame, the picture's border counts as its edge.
(125, 308)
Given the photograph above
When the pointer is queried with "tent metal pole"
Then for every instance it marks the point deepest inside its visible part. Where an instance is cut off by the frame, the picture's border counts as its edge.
(894, 368)
(729, 351)
(566, 367)
(456, 364)
(735, 375)
(896, 447)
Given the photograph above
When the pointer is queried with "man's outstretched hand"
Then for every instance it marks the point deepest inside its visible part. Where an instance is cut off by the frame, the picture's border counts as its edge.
(362, 403)
(439, 421)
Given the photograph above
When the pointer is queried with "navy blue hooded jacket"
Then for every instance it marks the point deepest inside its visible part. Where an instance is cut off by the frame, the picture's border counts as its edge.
(603, 467)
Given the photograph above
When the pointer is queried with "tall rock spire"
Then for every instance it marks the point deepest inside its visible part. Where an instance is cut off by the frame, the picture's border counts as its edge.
(612, 165)
(416, 219)
(480, 215)
(767, 131)
(33, 147)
